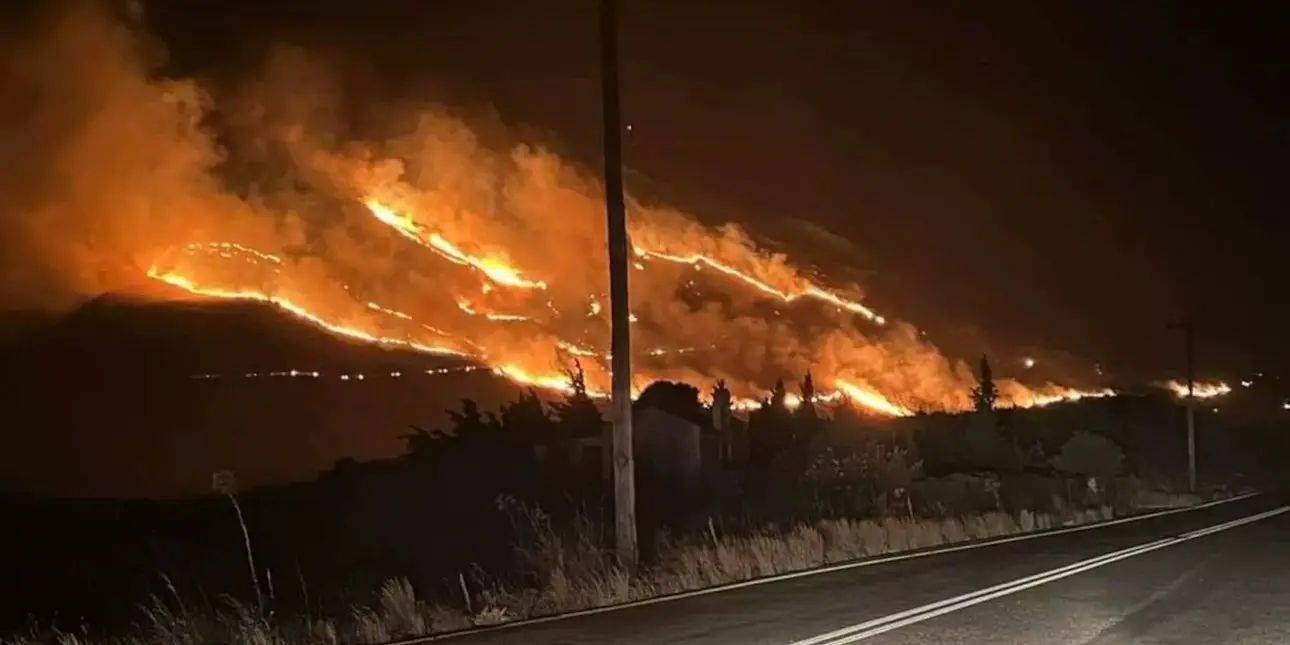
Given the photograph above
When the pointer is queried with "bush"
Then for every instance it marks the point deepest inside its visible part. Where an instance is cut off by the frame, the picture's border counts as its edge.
(987, 449)
(1032, 492)
(1090, 455)
(958, 494)
(870, 478)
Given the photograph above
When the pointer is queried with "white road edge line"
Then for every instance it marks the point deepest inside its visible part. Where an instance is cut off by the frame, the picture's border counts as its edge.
(866, 562)
(871, 628)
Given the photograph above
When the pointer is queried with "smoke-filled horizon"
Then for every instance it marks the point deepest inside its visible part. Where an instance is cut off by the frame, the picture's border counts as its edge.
(442, 236)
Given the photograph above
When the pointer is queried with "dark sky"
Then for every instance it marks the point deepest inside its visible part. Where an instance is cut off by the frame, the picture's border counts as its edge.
(1070, 177)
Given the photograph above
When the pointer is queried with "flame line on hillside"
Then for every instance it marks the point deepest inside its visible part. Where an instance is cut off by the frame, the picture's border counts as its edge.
(507, 276)
(177, 280)
(557, 382)
(502, 274)
(1200, 390)
(809, 292)
(494, 269)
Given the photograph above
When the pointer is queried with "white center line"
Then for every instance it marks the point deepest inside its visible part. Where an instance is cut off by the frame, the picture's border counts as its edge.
(871, 628)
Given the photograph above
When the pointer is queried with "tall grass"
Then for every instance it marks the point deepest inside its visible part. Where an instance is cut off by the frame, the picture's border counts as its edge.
(570, 570)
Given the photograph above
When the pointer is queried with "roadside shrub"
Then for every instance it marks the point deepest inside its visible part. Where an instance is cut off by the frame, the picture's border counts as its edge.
(872, 478)
(957, 494)
(1090, 455)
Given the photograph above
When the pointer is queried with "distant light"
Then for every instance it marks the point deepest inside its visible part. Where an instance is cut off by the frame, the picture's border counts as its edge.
(1216, 409)
(1285, 406)
(1247, 383)
(629, 127)
(1028, 362)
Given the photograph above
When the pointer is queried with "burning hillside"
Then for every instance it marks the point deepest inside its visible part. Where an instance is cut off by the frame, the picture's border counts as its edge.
(435, 241)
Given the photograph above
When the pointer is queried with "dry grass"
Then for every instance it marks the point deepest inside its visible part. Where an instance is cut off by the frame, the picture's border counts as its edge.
(573, 573)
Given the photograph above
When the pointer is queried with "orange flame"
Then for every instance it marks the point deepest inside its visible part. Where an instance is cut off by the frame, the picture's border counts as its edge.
(809, 291)
(495, 269)
(857, 394)
(299, 311)
(1206, 390)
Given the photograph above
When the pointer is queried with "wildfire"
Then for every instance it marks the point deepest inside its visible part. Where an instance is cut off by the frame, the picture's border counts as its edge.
(520, 289)
(495, 269)
(870, 399)
(809, 291)
(506, 275)
(354, 333)
(557, 381)
(536, 355)
(1037, 399)
(1200, 390)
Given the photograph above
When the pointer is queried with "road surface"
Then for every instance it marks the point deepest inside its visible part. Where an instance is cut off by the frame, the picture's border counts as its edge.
(1229, 586)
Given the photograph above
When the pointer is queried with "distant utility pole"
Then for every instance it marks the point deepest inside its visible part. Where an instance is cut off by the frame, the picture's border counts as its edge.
(1188, 328)
(620, 362)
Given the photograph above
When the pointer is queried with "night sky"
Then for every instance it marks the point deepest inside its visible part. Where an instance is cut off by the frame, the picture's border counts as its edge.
(1068, 177)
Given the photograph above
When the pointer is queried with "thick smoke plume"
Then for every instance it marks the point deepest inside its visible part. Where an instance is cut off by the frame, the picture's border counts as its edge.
(101, 166)
(111, 172)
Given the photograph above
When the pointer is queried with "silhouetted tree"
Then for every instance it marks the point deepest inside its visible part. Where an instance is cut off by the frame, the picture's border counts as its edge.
(808, 395)
(577, 415)
(770, 427)
(680, 400)
(527, 417)
(779, 396)
(806, 421)
(846, 415)
(420, 442)
(471, 424)
(722, 419)
(721, 405)
(985, 395)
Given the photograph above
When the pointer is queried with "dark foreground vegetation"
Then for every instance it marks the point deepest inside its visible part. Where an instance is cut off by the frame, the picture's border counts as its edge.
(505, 514)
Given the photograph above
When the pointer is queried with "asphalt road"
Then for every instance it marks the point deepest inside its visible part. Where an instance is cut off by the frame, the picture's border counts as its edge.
(1231, 586)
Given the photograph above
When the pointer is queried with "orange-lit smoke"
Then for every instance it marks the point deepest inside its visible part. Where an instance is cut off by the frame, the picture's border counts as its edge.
(433, 240)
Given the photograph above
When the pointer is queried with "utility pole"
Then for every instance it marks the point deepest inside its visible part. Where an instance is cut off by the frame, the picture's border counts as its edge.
(620, 362)
(1188, 328)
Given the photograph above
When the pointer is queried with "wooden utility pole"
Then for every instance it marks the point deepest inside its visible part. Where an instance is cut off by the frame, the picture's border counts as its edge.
(1189, 331)
(620, 362)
